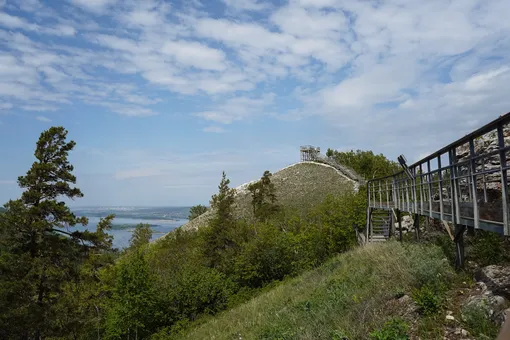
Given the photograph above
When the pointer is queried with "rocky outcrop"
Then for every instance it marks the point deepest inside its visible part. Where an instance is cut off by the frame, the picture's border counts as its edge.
(496, 278)
(492, 303)
(407, 224)
(486, 144)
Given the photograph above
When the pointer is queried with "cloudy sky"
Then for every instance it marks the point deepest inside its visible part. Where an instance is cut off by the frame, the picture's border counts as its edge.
(161, 96)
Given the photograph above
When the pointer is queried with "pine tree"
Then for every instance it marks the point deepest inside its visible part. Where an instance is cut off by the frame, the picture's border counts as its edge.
(218, 236)
(141, 236)
(39, 252)
(264, 200)
(196, 211)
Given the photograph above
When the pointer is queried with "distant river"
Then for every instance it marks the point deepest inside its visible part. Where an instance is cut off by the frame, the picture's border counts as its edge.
(123, 228)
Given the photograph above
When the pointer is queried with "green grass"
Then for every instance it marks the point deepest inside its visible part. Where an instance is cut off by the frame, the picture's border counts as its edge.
(299, 188)
(352, 295)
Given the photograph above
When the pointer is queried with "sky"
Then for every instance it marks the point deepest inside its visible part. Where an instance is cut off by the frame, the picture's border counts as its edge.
(162, 96)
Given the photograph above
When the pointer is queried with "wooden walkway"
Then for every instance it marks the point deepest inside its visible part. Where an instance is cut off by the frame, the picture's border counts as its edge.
(465, 183)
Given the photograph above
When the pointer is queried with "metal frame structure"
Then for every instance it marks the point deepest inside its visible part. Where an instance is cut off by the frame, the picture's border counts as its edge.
(465, 183)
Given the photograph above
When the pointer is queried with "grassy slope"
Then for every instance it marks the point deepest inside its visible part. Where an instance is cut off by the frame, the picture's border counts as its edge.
(350, 295)
(298, 187)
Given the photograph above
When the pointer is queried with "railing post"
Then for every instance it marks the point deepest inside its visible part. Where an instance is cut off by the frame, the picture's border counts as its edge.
(455, 187)
(380, 194)
(459, 245)
(415, 193)
(387, 194)
(394, 192)
(416, 223)
(421, 189)
(399, 218)
(504, 179)
(474, 184)
(367, 229)
(430, 188)
(440, 177)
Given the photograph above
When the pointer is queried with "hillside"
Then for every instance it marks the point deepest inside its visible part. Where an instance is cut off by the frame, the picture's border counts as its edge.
(349, 297)
(299, 187)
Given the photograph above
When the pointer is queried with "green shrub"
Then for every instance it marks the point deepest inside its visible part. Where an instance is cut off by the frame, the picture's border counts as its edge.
(447, 246)
(277, 332)
(487, 248)
(428, 300)
(395, 329)
(427, 270)
(478, 321)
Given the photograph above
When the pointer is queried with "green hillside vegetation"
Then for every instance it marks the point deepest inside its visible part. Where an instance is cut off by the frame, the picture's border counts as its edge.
(2, 209)
(299, 188)
(349, 297)
(365, 163)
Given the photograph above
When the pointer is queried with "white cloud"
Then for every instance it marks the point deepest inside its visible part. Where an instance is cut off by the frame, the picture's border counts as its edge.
(43, 119)
(5, 106)
(237, 108)
(247, 5)
(14, 22)
(39, 107)
(302, 22)
(95, 6)
(356, 61)
(195, 54)
(11, 21)
(214, 129)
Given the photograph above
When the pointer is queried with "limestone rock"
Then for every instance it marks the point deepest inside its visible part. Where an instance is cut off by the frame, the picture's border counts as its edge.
(497, 279)
(492, 305)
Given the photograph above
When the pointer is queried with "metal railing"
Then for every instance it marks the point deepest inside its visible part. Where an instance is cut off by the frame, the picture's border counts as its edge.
(465, 182)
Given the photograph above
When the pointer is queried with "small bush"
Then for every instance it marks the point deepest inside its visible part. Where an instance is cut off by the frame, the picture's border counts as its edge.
(395, 329)
(478, 322)
(277, 332)
(487, 248)
(447, 246)
(428, 300)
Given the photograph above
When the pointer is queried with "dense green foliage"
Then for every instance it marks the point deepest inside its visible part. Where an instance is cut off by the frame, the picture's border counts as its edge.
(348, 297)
(141, 236)
(196, 211)
(263, 194)
(365, 163)
(394, 329)
(198, 273)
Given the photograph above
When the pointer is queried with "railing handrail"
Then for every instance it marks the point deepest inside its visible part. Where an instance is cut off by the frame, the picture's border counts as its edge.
(448, 183)
(505, 118)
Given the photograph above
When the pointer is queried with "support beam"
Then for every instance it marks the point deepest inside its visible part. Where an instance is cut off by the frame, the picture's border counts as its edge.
(416, 220)
(459, 245)
(399, 218)
(448, 229)
(391, 231)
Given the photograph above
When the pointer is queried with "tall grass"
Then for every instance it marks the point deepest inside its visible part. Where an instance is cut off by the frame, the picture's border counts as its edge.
(351, 295)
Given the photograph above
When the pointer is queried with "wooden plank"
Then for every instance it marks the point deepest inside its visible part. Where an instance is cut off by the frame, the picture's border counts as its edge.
(448, 230)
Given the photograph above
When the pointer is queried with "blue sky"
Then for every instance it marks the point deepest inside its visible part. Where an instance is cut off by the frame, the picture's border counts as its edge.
(161, 96)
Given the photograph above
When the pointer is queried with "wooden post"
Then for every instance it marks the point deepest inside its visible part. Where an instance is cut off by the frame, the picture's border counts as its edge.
(368, 226)
(417, 226)
(391, 226)
(459, 245)
(399, 224)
